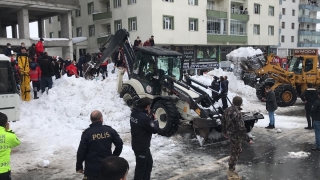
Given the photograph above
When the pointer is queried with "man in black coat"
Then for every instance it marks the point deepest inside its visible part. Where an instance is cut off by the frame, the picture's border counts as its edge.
(152, 40)
(58, 66)
(143, 125)
(309, 96)
(271, 106)
(315, 110)
(8, 50)
(95, 146)
(224, 91)
(215, 85)
(47, 71)
(32, 51)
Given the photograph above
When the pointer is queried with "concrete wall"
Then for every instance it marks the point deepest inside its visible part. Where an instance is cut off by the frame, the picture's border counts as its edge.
(264, 20)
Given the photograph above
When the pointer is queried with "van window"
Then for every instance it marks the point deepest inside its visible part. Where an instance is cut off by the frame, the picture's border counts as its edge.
(7, 83)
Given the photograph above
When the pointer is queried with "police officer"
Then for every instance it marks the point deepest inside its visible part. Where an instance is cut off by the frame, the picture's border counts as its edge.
(234, 129)
(8, 140)
(143, 125)
(95, 146)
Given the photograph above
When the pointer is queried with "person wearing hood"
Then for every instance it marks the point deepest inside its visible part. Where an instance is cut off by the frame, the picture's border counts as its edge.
(8, 50)
(32, 51)
(24, 68)
(39, 47)
(35, 78)
(58, 68)
(215, 85)
(309, 96)
(143, 125)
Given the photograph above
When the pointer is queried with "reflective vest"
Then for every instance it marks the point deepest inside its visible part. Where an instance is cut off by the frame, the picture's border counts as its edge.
(8, 140)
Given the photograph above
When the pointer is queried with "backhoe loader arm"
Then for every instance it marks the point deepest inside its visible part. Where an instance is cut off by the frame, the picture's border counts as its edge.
(119, 40)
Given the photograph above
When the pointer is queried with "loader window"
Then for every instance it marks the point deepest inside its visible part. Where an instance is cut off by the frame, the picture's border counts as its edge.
(296, 65)
(7, 83)
(170, 66)
(308, 65)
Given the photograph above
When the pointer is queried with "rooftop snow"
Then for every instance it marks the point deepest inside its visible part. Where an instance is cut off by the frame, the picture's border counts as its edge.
(50, 39)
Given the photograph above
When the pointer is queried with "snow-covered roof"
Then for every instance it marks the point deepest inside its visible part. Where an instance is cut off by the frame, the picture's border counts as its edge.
(76, 40)
(50, 39)
(244, 52)
(4, 57)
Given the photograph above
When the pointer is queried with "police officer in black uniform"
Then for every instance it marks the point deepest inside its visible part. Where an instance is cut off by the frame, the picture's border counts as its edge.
(95, 146)
(143, 125)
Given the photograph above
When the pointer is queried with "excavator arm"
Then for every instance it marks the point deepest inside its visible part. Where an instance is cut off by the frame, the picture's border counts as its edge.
(119, 39)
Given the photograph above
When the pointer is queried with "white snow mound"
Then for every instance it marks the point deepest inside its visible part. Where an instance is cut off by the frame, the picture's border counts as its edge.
(298, 155)
(43, 163)
(244, 52)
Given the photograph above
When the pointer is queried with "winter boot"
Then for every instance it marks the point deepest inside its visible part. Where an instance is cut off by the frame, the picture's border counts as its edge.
(232, 175)
(270, 127)
(35, 95)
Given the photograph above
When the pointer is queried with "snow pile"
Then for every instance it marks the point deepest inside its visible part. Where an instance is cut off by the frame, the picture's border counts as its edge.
(244, 52)
(43, 163)
(298, 155)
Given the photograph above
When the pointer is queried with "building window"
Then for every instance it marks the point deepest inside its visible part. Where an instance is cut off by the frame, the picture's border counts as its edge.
(217, 26)
(292, 38)
(79, 31)
(271, 30)
(271, 11)
(50, 20)
(282, 38)
(59, 34)
(293, 12)
(168, 22)
(51, 34)
(193, 2)
(292, 25)
(256, 29)
(132, 24)
(59, 18)
(90, 8)
(283, 11)
(167, 0)
(117, 3)
(283, 25)
(117, 25)
(78, 12)
(91, 30)
(257, 8)
(238, 28)
(132, 1)
(193, 24)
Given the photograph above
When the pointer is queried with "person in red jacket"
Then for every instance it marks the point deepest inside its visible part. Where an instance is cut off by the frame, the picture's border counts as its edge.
(35, 77)
(104, 70)
(147, 43)
(39, 47)
(72, 69)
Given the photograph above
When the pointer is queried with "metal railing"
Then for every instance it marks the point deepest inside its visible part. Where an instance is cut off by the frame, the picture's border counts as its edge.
(104, 34)
(239, 11)
(216, 8)
(101, 10)
(309, 2)
(238, 33)
(216, 32)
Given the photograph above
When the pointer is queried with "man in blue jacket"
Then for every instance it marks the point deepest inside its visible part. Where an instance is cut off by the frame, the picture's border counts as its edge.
(143, 125)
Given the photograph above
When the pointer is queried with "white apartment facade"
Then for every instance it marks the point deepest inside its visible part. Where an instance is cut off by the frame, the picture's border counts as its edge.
(298, 26)
(221, 25)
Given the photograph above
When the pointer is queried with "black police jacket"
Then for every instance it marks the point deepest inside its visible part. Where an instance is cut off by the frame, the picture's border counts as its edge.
(95, 146)
(142, 128)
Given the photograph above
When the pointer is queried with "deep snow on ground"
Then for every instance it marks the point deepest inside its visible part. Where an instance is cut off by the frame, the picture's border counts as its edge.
(50, 127)
(298, 155)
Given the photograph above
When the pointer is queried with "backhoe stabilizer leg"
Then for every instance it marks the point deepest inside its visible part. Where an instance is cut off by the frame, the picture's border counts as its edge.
(119, 79)
(201, 129)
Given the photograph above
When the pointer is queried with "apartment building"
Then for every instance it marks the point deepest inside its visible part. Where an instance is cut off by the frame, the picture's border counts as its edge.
(205, 31)
(298, 25)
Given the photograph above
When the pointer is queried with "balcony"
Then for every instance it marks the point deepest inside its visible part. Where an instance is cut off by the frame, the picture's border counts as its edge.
(308, 44)
(217, 12)
(222, 37)
(309, 32)
(103, 37)
(305, 4)
(308, 19)
(240, 15)
(102, 14)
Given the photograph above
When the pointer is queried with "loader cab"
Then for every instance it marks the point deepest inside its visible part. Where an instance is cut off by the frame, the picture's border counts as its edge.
(9, 95)
(295, 65)
(153, 64)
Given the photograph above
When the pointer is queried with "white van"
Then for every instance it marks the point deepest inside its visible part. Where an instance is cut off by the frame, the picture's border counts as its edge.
(9, 94)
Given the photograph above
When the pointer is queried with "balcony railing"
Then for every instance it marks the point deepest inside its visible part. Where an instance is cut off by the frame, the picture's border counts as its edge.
(101, 10)
(308, 2)
(238, 33)
(217, 32)
(104, 34)
(216, 8)
(238, 11)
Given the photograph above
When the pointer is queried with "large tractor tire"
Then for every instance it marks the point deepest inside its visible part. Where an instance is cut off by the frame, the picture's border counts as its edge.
(129, 95)
(260, 89)
(168, 117)
(286, 95)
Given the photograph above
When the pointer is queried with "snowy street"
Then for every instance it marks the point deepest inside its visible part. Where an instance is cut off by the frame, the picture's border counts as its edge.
(50, 129)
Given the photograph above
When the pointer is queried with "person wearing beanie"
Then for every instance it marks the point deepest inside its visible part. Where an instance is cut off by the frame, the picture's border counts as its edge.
(271, 106)
(215, 85)
(233, 128)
